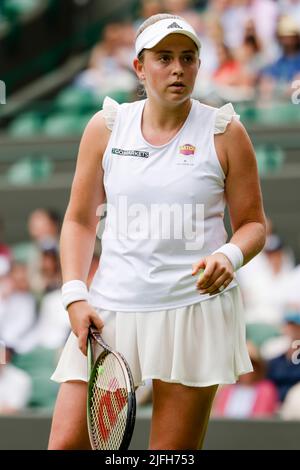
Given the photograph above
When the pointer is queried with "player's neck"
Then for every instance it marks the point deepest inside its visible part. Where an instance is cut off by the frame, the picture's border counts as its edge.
(165, 117)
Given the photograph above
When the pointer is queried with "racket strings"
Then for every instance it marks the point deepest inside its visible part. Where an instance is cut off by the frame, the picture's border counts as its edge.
(109, 404)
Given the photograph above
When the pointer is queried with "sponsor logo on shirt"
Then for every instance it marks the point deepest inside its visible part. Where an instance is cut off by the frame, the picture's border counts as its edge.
(186, 155)
(187, 149)
(130, 153)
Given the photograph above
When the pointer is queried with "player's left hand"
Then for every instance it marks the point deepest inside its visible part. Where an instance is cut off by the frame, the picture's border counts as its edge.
(218, 273)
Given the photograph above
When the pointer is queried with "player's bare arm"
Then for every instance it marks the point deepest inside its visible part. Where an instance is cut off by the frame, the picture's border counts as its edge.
(79, 227)
(244, 201)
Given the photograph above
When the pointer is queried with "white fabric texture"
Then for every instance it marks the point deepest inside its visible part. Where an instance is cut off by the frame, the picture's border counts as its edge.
(201, 343)
(109, 111)
(165, 211)
(233, 253)
(224, 116)
(198, 345)
(72, 291)
(154, 33)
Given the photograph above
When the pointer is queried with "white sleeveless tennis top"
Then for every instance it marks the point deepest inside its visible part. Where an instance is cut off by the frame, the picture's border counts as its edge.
(165, 210)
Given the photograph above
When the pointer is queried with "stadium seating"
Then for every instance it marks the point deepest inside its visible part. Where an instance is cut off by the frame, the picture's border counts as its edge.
(13, 9)
(62, 124)
(29, 169)
(270, 158)
(40, 364)
(27, 125)
(259, 333)
(77, 100)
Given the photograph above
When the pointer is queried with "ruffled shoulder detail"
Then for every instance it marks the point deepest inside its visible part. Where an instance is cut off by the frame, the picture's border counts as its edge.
(109, 111)
(224, 116)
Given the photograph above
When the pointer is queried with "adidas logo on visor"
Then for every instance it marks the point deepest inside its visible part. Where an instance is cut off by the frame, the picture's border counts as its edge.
(174, 25)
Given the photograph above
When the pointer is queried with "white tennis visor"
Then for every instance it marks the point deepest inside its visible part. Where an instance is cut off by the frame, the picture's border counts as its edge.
(159, 30)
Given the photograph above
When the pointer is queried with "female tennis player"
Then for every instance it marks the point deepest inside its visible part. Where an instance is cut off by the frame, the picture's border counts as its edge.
(165, 166)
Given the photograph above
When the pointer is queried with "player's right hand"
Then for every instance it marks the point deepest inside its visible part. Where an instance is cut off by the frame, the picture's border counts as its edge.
(82, 315)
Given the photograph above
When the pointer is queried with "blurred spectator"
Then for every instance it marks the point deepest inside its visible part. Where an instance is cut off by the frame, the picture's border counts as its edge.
(232, 79)
(276, 78)
(53, 325)
(147, 8)
(284, 370)
(229, 69)
(17, 309)
(290, 409)
(110, 67)
(15, 387)
(5, 253)
(264, 281)
(44, 229)
(264, 14)
(211, 34)
(235, 14)
(50, 266)
(182, 8)
(252, 396)
(250, 53)
(290, 8)
(44, 224)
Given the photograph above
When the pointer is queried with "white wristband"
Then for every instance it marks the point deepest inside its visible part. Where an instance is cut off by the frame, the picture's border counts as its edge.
(233, 253)
(73, 291)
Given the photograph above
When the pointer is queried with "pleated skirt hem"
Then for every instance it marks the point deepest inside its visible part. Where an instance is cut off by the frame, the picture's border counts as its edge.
(198, 345)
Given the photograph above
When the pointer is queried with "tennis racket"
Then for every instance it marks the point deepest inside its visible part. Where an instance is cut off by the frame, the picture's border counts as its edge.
(111, 402)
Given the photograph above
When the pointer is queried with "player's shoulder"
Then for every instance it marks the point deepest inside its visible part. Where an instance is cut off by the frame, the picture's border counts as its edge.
(97, 122)
(96, 130)
(99, 127)
(224, 119)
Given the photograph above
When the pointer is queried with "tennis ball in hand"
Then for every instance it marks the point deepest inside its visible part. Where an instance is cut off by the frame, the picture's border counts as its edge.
(201, 271)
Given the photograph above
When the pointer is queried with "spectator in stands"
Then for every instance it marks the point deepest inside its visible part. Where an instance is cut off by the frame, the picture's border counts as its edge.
(251, 53)
(252, 396)
(147, 8)
(231, 72)
(15, 386)
(264, 284)
(17, 309)
(276, 78)
(229, 69)
(110, 64)
(50, 266)
(290, 8)
(235, 14)
(44, 229)
(290, 409)
(211, 34)
(284, 370)
(5, 252)
(264, 14)
(53, 325)
(183, 8)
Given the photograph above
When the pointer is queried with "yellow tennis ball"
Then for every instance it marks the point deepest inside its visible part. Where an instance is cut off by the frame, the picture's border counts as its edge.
(201, 271)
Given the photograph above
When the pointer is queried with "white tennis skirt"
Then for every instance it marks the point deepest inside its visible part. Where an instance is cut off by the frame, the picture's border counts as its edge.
(197, 345)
